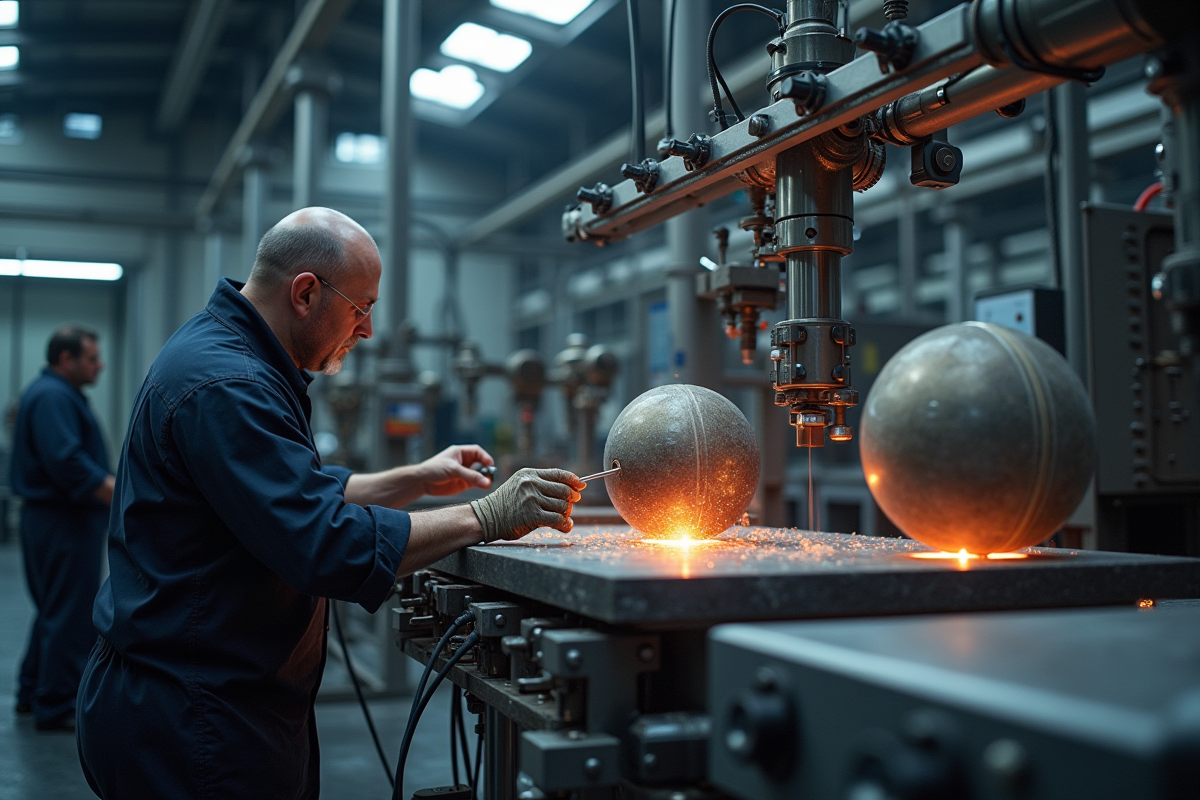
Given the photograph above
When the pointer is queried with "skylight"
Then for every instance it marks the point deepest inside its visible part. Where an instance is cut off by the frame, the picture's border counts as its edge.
(559, 12)
(486, 47)
(10, 13)
(10, 56)
(358, 148)
(77, 125)
(455, 86)
(77, 270)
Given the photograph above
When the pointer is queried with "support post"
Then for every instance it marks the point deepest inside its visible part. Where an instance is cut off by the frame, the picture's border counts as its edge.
(1074, 176)
(256, 186)
(312, 121)
(693, 323)
(401, 30)
(954, 251)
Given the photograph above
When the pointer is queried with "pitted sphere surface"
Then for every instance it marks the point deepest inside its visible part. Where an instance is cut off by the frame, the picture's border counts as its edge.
(689, 462)
(978, 438)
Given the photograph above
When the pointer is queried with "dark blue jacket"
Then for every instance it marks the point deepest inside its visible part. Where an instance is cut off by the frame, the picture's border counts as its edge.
(226, 532)
(58, 451)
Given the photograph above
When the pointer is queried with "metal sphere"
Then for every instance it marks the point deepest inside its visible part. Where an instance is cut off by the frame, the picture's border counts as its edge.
(978, 438)
(689, 462)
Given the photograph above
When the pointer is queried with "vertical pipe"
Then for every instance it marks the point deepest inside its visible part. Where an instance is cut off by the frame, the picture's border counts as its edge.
(693, 323)
(214, 255)
(954, 251)
(254, 212)
(500, 756)
(907, 254)
(1074, 177)
(401, 42)
(311, 135)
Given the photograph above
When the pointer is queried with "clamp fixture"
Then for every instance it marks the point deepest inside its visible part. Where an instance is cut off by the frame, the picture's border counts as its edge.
(599, 197)
(893, 46)
(806, 89)
(694, 152)
(644, 175)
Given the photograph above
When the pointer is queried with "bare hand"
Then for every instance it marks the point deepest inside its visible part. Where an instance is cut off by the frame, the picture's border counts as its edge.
(530, 499)
(104, 492)
(449, 472)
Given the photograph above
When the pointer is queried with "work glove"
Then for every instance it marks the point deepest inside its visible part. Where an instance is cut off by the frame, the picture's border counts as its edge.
(531, 498)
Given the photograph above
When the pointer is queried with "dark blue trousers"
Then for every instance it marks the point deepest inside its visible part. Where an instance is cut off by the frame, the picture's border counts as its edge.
(62, 545)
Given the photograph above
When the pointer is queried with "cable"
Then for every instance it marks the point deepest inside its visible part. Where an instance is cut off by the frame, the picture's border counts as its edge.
(1051, 184)
(668, 64)
(637, 152)
(714, 72)
(337, 626)
(406, 743)
(462, 734)
(462, 619)
(454, 712)
(478, 764)
(1146, 196)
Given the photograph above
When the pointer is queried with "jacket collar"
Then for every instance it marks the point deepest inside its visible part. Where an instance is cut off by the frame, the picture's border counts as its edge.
(50, 373)
(233, 310)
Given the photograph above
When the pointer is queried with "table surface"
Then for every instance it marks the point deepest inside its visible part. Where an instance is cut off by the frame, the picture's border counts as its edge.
(614, 575)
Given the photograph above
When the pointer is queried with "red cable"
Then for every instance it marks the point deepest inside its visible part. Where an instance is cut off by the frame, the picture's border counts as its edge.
(1145, 197)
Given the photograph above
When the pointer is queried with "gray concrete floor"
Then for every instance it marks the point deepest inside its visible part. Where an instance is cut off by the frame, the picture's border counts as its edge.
(36, 765)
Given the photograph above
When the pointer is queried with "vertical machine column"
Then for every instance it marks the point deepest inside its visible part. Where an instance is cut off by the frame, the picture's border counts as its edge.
(814, 228)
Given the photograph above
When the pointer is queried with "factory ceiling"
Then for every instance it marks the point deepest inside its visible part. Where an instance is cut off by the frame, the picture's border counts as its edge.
(176, 61)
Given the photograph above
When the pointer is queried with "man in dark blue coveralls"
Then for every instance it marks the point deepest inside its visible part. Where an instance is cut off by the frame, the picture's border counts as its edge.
(227, 532)
(60, 468)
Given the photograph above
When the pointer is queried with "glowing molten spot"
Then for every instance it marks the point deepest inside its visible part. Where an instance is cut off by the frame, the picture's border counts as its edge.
(962, 556)
(1145, 602)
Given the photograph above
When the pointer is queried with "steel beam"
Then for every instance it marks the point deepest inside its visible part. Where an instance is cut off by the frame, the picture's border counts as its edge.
(946, 47)
(313, 26)
(205, 22)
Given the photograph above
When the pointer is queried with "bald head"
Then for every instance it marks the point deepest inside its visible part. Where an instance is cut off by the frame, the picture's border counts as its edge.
(318, 240)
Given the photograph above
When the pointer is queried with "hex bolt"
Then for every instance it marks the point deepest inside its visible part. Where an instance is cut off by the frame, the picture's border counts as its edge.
(758, 125)
(500, 620)
(591, 769)
(574, 659)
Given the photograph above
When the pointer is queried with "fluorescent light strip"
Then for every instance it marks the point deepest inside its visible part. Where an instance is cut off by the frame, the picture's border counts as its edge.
(558, 12)
(10, 56)
(74, 270)
(456, 86)
(10, 13)
(486, 47)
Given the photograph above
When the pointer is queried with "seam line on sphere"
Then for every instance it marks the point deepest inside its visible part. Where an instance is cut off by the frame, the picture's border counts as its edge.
(1042, 422)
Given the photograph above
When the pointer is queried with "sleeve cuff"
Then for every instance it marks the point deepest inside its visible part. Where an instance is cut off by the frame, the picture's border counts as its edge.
(391, 540)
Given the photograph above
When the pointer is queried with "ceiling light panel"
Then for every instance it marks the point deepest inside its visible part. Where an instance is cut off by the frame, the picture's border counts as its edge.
(486, 47)
(10, 13)
(10, 56)
(77, 270)
(455, 86)
(78, 125)
(558, 12)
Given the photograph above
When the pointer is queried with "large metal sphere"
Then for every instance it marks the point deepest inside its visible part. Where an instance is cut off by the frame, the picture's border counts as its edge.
(978, 438)
(689, 462)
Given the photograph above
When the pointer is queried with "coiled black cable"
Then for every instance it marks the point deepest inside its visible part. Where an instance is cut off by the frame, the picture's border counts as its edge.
(668, 70)
(637, 151)
(337, 626)
(406, 743)
(714, 72)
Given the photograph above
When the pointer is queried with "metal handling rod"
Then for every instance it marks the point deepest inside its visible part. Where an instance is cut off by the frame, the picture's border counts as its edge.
(597, 475)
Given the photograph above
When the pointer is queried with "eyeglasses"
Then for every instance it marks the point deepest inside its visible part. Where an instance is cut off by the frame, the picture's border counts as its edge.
(360, 311)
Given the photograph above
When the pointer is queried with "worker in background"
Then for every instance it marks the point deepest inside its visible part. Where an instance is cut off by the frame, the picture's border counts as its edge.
(60, 468)
(227, 533)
